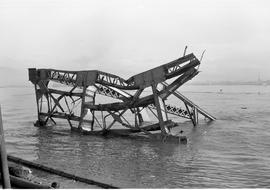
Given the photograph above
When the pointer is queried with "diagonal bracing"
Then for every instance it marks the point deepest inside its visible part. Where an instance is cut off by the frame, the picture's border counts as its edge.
(80, 101)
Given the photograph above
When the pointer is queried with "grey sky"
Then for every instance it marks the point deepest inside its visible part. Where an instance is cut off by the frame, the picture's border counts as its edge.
(129, 36)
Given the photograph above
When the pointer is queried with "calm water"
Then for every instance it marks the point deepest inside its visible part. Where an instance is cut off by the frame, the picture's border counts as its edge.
(232, 152)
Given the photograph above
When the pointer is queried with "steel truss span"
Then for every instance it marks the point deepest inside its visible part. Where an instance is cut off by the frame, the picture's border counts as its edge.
(77, 96)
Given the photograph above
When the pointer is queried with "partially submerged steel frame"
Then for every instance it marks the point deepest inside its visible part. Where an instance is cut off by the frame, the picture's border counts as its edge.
(92, 82)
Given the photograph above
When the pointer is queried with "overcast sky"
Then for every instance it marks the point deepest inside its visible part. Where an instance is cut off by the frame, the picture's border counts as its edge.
(129, 36)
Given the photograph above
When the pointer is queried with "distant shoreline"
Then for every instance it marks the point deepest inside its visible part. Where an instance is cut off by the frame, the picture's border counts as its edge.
(192, 84)
(15, 86)
(227, 83)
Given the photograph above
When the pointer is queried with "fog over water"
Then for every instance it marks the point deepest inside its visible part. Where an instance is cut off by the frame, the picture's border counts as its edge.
(128, 37)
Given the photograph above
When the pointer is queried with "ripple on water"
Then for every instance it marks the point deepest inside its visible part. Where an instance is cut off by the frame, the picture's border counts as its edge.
(231, 152)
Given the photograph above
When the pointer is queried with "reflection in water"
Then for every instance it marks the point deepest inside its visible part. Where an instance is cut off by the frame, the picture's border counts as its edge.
(120, 161)
(231, 152)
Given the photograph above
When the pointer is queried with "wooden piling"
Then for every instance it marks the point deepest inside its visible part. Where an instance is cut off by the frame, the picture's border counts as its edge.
(59, 172)
(3, 154)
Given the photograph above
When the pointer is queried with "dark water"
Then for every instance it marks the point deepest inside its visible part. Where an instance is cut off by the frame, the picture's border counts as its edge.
(232, 152)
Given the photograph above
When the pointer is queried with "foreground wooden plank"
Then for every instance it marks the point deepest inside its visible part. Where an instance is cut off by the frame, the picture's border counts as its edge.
(3, 155)
(59, 172)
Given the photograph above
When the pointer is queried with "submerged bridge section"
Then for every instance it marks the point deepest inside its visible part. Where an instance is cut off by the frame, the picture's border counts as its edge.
(78, 97)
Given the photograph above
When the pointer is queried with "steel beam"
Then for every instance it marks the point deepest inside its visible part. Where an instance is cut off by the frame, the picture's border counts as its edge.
(129, 93)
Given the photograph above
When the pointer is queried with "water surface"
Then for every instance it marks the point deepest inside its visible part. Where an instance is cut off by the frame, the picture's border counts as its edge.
(232, 152)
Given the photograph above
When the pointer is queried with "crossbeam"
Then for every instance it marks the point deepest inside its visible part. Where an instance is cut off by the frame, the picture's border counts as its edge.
(161, 73)
(79, 106)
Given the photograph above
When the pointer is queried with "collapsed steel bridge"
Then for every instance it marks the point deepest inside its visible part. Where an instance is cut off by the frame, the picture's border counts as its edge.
(76, 100)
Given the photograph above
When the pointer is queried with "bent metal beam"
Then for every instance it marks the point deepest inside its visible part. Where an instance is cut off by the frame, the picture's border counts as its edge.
(77, 100)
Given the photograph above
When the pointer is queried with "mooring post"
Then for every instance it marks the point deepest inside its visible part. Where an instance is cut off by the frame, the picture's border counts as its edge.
(3, 154)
